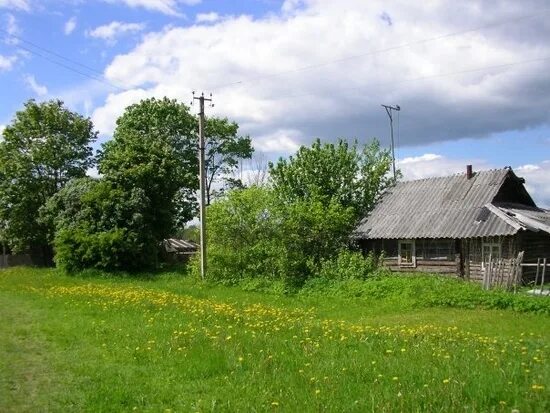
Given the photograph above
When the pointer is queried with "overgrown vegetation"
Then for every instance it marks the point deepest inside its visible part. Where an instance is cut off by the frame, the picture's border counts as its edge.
(168, 343)
(301, 225)
(146, 191)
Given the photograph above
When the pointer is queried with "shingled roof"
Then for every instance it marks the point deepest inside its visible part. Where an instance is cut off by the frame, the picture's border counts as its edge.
(449, 207)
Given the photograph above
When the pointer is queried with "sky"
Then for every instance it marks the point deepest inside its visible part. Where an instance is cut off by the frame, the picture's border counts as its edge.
(472, 78)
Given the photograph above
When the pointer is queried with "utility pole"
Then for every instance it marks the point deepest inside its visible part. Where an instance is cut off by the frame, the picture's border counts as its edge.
(388, 111)
(202, 180)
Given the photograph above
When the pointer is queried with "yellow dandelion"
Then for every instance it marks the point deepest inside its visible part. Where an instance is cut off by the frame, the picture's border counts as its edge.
(446, 381)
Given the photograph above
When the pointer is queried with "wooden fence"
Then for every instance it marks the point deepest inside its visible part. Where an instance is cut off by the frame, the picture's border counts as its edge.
(503, 273)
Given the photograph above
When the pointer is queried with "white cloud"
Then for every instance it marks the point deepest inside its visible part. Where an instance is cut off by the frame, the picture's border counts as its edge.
(111, 31)
(282, 141)
(38, 89)
(536, 176)
(207, 17)
(70, 25)
(12, 30)
(2, 127)
(104, 118)
(430, 165)
(7, 62)
(169, 7)
(328, 100)
(15, 4)
(537, 181)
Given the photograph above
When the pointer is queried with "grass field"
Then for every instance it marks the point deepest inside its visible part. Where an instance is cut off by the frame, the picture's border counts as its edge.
(170, 344)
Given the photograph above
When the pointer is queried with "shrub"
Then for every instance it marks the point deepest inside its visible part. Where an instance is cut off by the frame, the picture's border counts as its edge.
(348, 265)
(98, 225)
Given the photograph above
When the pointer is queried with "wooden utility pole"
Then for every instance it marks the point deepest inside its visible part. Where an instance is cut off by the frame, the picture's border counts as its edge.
(202, 180)
(388, 111)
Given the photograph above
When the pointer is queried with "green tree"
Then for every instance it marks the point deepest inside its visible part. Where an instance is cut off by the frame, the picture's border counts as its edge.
(224, 149)
(154, 148)
(340, 172)
(44, 147)
(99, 225)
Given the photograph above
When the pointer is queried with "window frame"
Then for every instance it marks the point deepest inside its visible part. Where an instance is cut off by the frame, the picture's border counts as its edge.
(411, 264)
(491, 245)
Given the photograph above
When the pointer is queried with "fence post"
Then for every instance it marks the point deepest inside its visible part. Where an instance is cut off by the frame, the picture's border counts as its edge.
(543, 272)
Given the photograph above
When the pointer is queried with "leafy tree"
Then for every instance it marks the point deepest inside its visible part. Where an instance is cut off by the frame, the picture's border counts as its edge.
(243, 235)
(44, 147)
(154, 148)
(224, 149)
(99, 225)
(341, 172)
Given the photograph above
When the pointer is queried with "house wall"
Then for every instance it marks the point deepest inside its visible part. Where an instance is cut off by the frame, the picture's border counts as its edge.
(536, 245)
(440, 256)
(473, 255)
(464, 258)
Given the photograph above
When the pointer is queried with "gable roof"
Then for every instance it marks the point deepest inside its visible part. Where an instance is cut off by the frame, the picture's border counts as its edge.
(446, 207)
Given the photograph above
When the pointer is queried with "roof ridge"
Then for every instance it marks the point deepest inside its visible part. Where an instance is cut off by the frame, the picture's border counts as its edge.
(433, 178)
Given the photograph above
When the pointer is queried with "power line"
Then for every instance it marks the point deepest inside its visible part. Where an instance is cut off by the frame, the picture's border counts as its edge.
(59, 56)
(379, 51)
(440, 75)
(63, 65)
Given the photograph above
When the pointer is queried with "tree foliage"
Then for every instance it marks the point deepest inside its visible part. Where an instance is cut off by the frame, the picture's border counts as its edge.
(99, 225)
(301, 225)
(224, 149)
(352, 176)
(252, 234)
(44, 147)
(154, 148)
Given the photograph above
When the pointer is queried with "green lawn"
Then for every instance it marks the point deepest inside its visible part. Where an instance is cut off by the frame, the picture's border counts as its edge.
(170, 344)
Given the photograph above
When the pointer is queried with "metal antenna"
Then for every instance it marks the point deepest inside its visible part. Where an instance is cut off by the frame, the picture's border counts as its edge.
(389, 112)
(202, 182)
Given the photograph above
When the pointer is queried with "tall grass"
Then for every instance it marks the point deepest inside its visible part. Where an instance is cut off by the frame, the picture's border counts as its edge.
(170, 344)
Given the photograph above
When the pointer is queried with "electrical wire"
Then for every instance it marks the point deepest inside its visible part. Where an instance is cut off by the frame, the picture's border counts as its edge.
(63, 65)
(379, 51)
(440, 75)
(53, 53)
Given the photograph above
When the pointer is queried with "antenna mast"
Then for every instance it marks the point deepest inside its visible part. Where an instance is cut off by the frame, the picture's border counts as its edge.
(389, 112)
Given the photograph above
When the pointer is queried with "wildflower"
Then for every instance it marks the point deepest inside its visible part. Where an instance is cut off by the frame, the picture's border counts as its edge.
(317, 391)
(395, 378)
(275, 404)
(446, 381)
(537, 387)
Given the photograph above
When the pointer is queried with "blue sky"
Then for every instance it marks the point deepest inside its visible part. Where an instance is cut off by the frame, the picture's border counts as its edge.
(472, 79)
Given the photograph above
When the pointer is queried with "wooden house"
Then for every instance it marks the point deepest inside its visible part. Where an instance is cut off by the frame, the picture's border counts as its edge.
(454, 224)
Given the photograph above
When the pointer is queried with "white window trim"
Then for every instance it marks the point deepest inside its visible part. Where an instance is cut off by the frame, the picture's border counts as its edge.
(413, 253)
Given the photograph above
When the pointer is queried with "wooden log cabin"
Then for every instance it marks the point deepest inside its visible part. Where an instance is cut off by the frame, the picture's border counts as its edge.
(452, 225)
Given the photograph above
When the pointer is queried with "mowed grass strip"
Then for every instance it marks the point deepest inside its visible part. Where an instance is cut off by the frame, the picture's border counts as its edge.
(142, 345)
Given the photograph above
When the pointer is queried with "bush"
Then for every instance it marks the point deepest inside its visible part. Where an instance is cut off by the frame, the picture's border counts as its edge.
(98, 225)
(348, 265)
(251, 234)
(424, 291)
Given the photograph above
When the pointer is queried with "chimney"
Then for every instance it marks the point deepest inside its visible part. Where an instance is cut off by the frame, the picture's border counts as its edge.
(469, 172)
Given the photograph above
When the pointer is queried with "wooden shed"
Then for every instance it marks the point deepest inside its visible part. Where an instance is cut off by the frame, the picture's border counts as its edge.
(178, 250)
(455, 224)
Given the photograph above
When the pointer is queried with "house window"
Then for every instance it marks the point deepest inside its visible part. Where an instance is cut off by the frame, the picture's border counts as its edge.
(489, 250)
(407, 256)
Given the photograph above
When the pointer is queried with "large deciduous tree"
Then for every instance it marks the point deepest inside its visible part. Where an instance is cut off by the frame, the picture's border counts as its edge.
(44, 147)
(352, 176)
(101, 225)
(154, 148)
